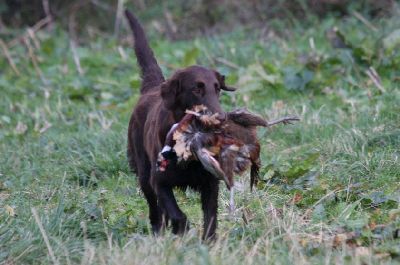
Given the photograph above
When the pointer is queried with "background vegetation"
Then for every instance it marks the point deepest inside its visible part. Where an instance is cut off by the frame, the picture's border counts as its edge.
(330, 184)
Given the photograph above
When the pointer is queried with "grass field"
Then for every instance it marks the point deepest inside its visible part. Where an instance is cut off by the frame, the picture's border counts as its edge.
(330, 189)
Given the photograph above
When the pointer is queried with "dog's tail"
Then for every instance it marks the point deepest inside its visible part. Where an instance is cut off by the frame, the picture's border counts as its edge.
(150, 70)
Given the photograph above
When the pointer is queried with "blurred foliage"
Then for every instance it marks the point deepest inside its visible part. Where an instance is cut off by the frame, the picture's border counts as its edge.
(180, 19)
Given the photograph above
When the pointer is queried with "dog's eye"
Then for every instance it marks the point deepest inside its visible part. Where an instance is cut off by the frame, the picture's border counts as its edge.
(199, 88)
(200, 85)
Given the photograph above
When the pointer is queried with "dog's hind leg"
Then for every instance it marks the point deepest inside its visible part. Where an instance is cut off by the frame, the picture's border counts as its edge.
(143, 170)
(155, 214)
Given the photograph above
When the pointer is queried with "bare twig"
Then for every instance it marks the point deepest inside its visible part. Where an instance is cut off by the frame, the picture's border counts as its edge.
(32, 35)
(76, 57)
(373, 75)
(46, 8)
(118, 17)
(170, 25)
(284, 120)
(8, 56)
(2, 26)
(227, 63)
(365, 21)
(40, 24)
(232, 206)
(103, 6)
(308, 211)
(122, 53)
(44, 235)
(34, 60)
(72, 33)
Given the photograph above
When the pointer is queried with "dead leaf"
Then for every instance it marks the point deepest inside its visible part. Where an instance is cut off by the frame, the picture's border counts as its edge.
(4, 195)
(296, 198)
(383, 255)
(363, 251)
(275, 212)
(394, 213)
(345, 238)
(339, 240)
(247, 215)
(372, 225)
(21, 128)
(45, 127)
(10, 211)
(278, 105)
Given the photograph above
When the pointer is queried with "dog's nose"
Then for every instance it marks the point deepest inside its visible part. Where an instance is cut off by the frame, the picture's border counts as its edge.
(214, 108)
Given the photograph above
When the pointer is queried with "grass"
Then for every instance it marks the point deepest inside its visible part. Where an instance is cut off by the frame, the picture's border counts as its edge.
(330, 184)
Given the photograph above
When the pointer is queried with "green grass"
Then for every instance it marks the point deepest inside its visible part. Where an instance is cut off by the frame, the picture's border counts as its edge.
(330, 184)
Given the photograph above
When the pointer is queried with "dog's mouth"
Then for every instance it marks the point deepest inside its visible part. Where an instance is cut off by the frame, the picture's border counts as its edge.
(200, 140)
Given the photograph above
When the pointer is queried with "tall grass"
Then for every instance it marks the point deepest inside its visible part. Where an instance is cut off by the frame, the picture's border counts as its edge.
(329, 189)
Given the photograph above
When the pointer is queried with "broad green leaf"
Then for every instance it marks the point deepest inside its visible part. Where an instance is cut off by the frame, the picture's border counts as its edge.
(191, 56)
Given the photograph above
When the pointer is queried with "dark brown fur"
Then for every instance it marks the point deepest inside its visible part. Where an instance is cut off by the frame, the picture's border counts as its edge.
(163, 103)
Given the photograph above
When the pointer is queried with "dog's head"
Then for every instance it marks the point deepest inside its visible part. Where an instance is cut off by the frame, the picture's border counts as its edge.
(194, 85)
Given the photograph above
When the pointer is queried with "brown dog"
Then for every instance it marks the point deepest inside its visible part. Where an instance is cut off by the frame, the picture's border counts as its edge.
(163, 103)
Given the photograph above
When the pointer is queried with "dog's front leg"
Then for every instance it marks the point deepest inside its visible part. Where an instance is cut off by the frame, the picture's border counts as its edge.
(167, 200)
(209, 204)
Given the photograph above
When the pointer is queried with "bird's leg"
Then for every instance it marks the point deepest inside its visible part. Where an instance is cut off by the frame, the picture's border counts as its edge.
(284, 120)
(232, 206)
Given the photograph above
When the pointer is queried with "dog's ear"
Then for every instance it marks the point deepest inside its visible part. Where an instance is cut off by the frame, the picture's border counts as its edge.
(221, 80)
(169, 92)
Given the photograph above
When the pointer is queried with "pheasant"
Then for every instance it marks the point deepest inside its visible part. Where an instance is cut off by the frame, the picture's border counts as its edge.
(225, 144)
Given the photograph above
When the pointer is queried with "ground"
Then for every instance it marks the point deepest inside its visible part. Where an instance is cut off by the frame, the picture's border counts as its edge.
(329, 189)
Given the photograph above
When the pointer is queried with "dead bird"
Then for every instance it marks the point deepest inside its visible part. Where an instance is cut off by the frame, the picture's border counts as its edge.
(226, 145)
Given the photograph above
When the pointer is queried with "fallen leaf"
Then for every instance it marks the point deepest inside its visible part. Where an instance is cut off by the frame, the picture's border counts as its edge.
(279, 104)
(297, 198)
(10, 211)
(394, 213)
(383, 255)
(339, 240)
(363, 251)
(345, 238)
(4, 195)
(247, 215)
(45, 127)
(21, 128)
